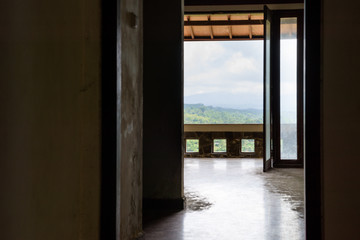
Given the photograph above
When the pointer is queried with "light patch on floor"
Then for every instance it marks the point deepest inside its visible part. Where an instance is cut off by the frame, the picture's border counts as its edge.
(234, 199)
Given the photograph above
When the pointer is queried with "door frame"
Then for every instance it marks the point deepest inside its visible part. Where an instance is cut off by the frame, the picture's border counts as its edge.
(109, 186)
(313, 148)
(268, 87)
(312, 119)
(276, 16)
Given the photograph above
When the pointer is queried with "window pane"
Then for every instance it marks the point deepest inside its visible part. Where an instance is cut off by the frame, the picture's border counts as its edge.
(219, 145)
(247, 145)
(192, 145)
(267, 120)
(288, 88)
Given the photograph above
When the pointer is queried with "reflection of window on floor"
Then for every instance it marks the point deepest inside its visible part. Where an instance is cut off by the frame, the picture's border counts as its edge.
(219, 145)
(248, 145)
(192, 145)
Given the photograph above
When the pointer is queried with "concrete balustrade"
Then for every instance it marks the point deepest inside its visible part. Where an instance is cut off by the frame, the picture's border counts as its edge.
(233, 133)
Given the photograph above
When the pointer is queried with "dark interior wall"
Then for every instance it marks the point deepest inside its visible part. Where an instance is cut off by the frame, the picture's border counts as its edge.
(163, 100)
(341, 118)
(50, 119)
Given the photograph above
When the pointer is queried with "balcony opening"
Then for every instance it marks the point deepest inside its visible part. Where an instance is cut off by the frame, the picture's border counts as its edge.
(224, 107)
(248, 145)
(192, 145)
(219, 146)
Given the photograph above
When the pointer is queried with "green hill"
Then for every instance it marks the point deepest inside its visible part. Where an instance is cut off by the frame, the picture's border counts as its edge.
(201, 114)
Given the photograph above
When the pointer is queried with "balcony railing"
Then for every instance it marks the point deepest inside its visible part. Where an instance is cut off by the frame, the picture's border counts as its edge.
(241, 140)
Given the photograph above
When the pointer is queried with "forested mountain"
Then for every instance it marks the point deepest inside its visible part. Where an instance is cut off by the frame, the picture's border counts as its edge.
(201, 114)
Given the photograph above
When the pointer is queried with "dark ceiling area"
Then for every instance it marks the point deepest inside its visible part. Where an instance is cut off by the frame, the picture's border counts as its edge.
(237, 2)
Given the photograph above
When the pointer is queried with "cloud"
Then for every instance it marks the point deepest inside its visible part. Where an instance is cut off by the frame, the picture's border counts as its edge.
(213, 67)
(238, 64)
(200, 55)
(231, 73)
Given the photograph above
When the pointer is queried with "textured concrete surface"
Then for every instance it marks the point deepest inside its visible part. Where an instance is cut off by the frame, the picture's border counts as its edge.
(130, 87)
(234, 199)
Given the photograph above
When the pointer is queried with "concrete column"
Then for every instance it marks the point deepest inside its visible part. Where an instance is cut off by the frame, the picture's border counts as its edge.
(163, 104)
(129, 115)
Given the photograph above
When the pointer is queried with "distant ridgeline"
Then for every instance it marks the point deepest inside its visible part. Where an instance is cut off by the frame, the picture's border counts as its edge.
(201, 114)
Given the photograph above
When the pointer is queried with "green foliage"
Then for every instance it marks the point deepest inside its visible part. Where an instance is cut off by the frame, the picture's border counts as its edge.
(192, 145)
(201, 114)
(247, 145)
(219, 145)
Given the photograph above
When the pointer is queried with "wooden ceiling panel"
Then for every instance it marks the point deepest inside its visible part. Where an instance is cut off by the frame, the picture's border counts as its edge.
(187, 32)
(239, 17)
(198, 17)
(220, 31)
(204, 27)
(202, 31)
(257, 30)
(218, 17)
(241, 31)
(258, 16)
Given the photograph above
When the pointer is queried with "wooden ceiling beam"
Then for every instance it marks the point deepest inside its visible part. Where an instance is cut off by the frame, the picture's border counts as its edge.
(191, 29)
(223, 22)
(230, 28)
(211, 30)
(250, 28)
(224, 38)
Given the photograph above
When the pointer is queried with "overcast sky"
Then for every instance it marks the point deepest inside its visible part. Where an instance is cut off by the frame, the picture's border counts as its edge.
(230, 73)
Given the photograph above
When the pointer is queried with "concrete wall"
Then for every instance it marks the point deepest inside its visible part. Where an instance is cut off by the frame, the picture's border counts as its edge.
(163, 101)
(233, 144)
(130, 115)
(341, 118)
(50, 119)
(233, 133)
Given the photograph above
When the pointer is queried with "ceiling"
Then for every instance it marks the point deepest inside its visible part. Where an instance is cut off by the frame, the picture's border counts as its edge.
(217, 27)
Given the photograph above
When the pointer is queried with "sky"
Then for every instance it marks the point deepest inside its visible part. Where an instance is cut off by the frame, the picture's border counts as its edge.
(230, 73)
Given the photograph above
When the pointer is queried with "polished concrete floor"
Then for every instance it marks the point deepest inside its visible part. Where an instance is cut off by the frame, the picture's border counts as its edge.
(234, 199)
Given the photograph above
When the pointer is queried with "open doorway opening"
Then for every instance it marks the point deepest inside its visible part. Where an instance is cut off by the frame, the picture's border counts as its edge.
(220, 145)
(225, 90)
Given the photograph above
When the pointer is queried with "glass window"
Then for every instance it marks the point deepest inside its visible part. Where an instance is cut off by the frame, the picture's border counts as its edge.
(288, 88)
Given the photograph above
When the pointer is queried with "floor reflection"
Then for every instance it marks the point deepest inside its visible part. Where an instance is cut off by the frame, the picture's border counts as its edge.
(234, 199)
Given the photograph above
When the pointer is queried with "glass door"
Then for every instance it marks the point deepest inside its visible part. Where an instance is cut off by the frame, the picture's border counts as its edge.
(289, 89)
(283, 88)
(268, 121)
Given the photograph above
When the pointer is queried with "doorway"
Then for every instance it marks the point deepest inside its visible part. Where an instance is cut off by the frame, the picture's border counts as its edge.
(172, 50)
(288, 120)
(175, 124)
